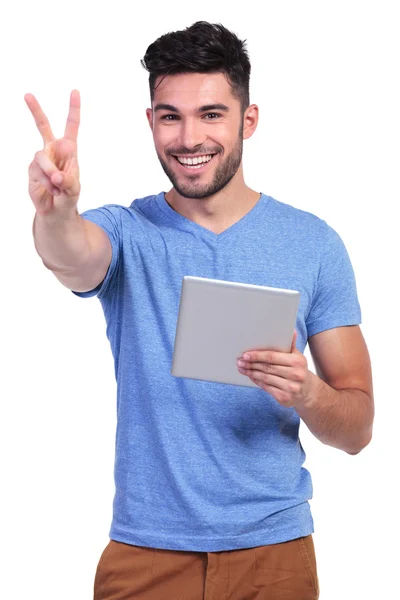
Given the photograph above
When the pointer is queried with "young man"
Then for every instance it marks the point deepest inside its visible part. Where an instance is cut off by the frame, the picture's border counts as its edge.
(211, 497)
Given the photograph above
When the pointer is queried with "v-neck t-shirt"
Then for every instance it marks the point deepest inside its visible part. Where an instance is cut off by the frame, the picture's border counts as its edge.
(202, 466)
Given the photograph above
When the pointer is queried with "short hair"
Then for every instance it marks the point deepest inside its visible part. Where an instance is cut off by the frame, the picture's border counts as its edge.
(201, 48)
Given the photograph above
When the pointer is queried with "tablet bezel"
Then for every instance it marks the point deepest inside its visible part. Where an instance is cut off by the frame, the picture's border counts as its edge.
(218, 320)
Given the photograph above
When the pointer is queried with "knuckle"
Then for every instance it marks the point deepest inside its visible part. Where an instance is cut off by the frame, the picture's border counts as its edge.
(286, 399)
(299, 359)
(281, 397)
(34, 171)
(298, 376)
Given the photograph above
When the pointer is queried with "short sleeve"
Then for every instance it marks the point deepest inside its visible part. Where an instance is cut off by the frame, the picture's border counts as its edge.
(335, 301)
(108, 217)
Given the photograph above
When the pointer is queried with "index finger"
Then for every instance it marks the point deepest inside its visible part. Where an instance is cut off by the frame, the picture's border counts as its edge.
(41, 120)
(271, 357)
(74, 116)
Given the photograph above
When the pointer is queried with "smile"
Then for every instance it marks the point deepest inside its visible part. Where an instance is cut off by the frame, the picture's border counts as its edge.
(195, 162)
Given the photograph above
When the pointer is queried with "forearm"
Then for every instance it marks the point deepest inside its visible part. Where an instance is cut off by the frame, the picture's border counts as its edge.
(61, 241)
(339, 418)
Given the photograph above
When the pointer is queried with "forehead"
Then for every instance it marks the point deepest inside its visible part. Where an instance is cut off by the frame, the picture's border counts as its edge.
(193, 89)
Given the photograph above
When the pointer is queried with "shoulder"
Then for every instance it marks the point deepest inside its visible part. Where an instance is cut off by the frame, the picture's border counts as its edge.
(145, 205)
(290, 214)
(300, 226)
(139, 208)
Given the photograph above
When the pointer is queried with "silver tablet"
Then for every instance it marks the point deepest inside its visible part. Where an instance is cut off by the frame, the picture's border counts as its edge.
(219, 320)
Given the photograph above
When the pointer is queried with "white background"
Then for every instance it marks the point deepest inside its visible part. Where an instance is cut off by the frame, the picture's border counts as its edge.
(326, 78)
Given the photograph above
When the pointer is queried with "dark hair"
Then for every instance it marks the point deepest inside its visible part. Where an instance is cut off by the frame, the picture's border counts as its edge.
(201, 48)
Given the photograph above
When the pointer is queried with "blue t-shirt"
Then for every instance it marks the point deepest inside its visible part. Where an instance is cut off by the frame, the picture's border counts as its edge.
(206, 466)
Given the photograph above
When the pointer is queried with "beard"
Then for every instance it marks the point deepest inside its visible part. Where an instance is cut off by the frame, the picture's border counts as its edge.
(190, 187)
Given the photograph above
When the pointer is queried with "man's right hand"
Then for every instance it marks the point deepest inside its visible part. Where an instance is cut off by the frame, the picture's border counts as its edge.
(54, 172)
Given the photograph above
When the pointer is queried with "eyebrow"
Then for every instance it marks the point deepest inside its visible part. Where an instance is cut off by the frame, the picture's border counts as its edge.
(204, 108)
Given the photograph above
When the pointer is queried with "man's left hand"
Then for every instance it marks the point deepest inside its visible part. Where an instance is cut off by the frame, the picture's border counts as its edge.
(284, 375)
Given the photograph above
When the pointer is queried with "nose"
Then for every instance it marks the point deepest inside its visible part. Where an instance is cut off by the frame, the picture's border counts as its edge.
(192, 134)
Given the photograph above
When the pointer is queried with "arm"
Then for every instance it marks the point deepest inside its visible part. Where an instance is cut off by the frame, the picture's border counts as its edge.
(77, 251)
(337, 404)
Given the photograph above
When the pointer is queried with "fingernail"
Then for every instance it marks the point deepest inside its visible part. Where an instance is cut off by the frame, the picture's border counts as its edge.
(246, 356)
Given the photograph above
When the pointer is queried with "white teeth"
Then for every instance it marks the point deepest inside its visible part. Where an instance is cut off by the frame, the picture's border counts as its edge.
(197, 160)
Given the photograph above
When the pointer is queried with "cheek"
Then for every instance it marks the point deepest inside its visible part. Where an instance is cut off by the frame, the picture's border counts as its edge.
(163, 137)
(227, 137)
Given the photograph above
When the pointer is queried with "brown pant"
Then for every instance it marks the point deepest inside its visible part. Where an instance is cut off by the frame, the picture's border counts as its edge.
(277, 572)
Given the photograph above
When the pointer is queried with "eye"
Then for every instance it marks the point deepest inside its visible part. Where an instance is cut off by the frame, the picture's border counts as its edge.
(169, 117)
(211, 116)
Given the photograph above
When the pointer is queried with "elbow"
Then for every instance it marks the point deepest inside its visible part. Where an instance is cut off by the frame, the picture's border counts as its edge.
(364, 436)
(362, 443)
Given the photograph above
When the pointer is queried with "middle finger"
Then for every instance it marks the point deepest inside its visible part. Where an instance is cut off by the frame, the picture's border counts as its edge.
(279, 370)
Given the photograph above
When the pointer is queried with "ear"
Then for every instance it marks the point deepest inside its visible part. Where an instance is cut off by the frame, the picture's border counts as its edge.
(149, 115)
(250, 121)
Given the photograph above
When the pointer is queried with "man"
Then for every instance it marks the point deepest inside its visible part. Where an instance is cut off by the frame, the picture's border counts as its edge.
(211, 497)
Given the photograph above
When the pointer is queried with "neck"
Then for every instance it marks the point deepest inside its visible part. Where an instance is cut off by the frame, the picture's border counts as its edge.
(219, 211)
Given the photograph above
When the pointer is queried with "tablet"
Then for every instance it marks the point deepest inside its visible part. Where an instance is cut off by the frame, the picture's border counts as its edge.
(219, 320)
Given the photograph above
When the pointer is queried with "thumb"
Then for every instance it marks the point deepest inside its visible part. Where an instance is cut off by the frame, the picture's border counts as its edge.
(293, 348)
(66, 183)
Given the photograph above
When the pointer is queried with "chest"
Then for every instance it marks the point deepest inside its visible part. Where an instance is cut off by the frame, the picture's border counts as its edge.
(153, 268)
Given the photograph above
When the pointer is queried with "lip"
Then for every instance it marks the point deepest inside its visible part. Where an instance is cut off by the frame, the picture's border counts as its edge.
(189, 170)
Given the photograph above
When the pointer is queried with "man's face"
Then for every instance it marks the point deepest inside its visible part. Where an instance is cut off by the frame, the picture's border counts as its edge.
(197, 128)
